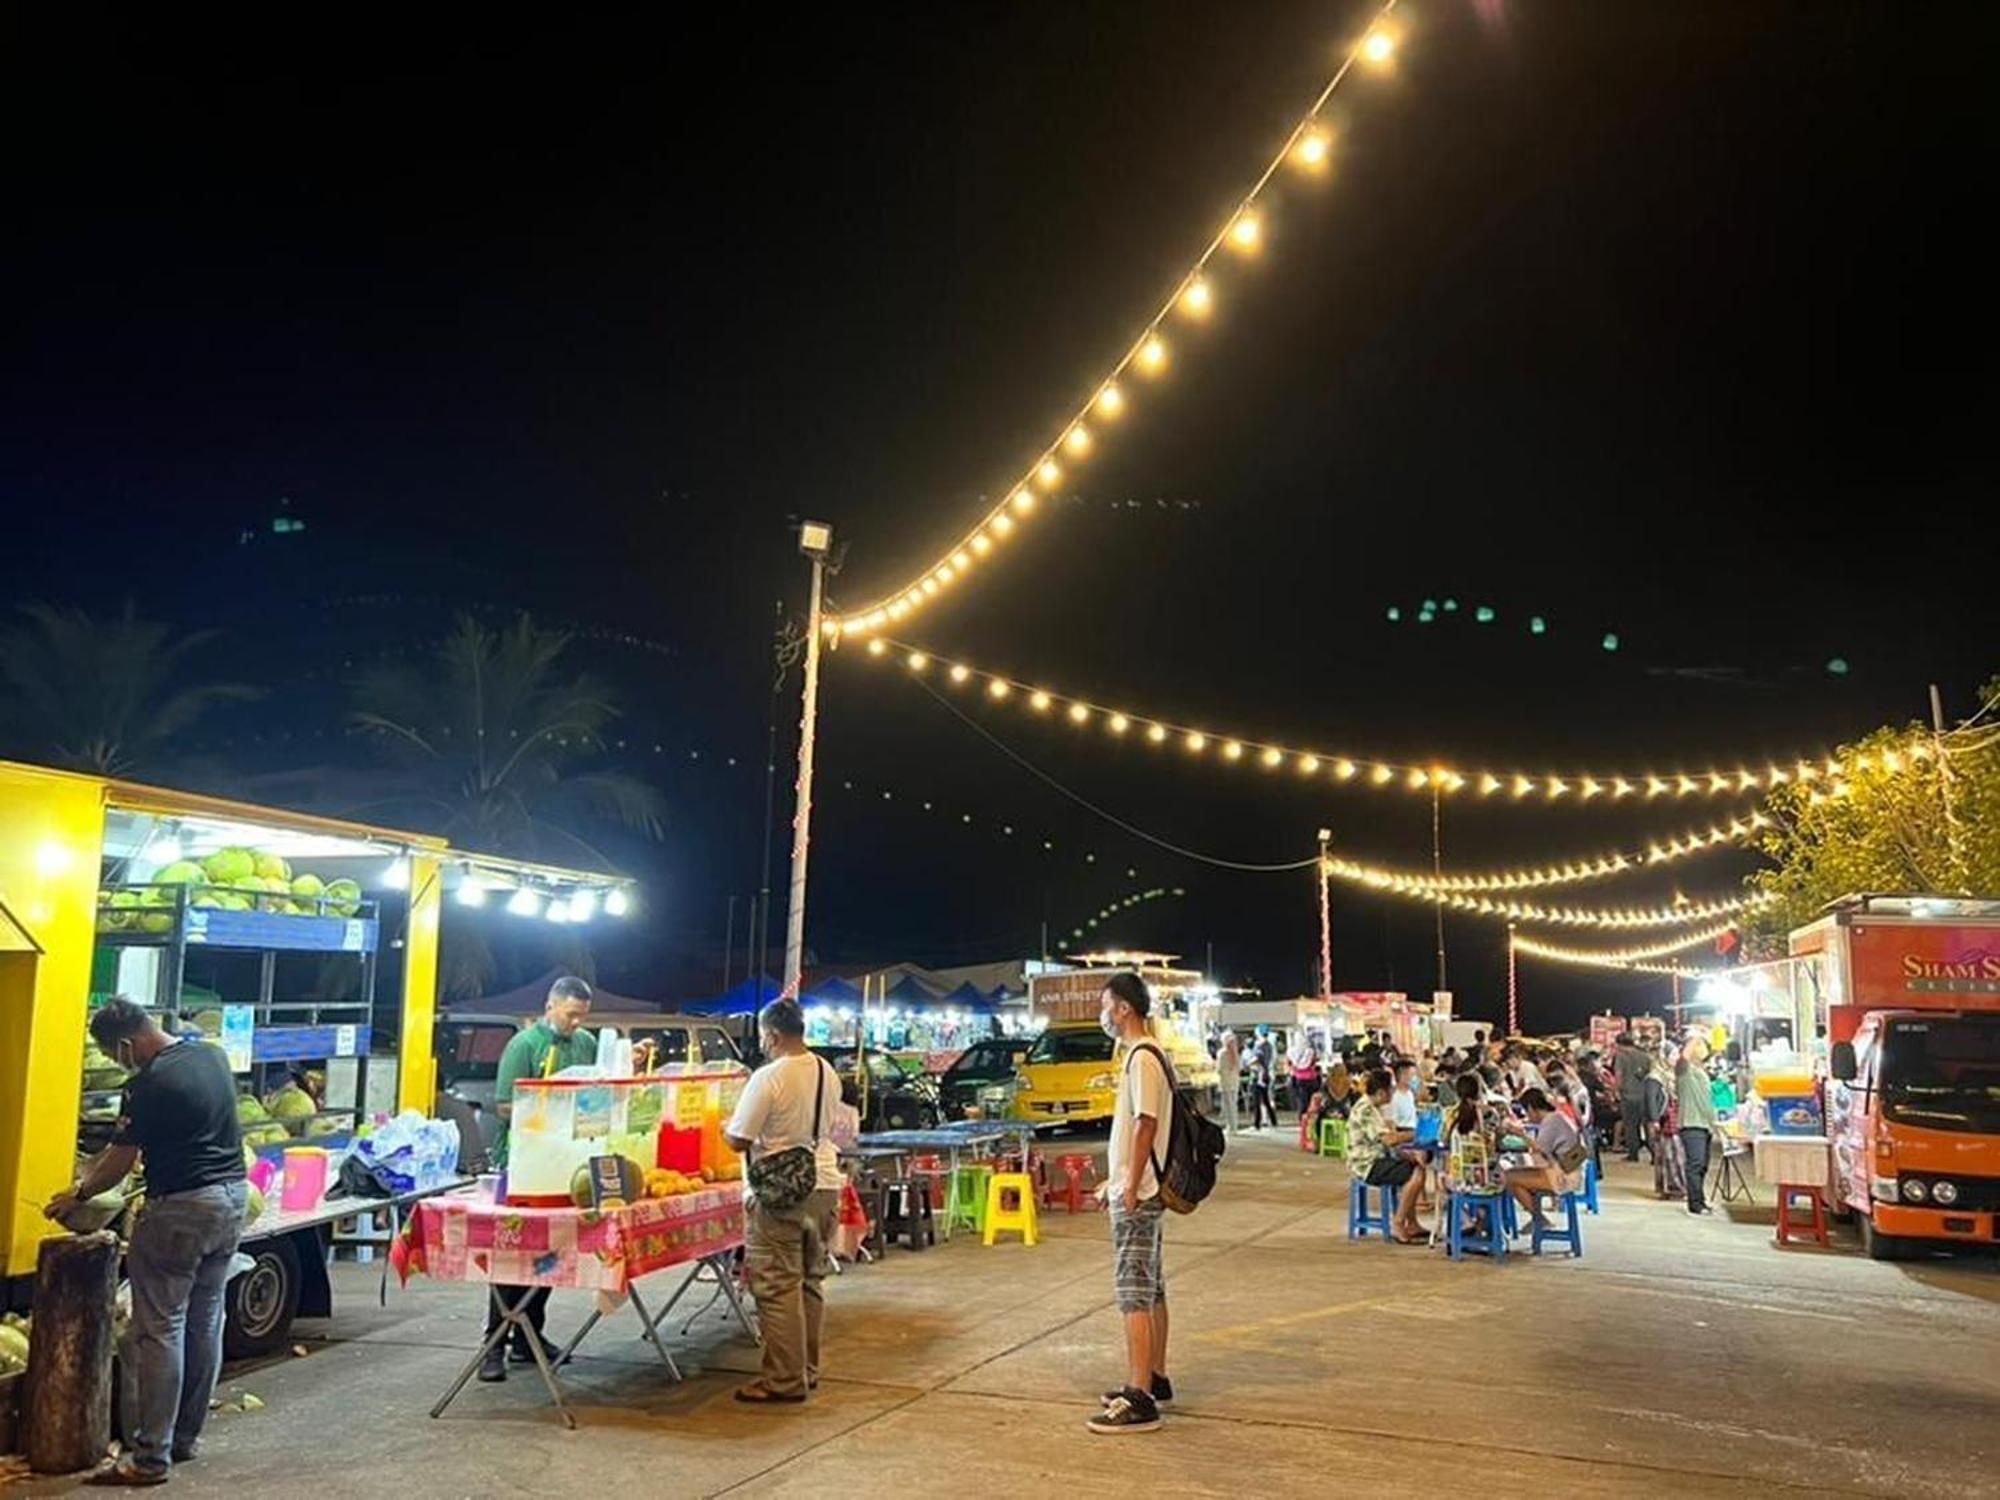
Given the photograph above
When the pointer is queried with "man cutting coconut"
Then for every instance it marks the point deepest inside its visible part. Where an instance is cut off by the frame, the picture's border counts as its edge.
(179, 1116)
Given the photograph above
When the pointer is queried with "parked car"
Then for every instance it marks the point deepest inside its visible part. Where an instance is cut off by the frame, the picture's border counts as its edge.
(987, 1063)
(1067, 1076)
(896, 1101)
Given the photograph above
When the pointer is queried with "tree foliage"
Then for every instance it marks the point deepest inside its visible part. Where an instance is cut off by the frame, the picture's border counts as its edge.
(105, 696)
(1902, 818)
(492, 741)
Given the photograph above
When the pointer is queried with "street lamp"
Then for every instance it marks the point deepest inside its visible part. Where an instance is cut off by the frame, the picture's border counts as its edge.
(815, 540)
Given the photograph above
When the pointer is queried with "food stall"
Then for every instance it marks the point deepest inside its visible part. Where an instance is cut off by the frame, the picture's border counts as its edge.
(304, 947)
(1184, 1004)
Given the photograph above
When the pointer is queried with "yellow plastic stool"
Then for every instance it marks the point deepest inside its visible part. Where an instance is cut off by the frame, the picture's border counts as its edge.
(1021, 1216)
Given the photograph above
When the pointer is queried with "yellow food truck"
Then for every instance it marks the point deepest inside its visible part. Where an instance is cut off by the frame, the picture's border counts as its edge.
(262, 930)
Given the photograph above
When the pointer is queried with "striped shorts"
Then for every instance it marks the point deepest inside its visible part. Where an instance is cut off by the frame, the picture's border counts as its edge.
(1138, 1278)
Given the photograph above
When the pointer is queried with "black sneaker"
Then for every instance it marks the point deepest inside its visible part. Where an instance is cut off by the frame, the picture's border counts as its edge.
(1131, 1410)
(493, 1367)
(1162, 1392)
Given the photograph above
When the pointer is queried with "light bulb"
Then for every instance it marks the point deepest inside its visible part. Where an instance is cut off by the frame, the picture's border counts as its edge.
(1152, 355)
(1247, 232)
(1344, 769)
(582, 906)
(397, 876)
(1308, 765)
(1312, 149)
(878, 647)
(1078, 713)
(1157, 734)
(524, 903)
(1233, 750)
(1002, 524)
(1024, 501)
(1196, 742)
(1196, 299)
(1078, 441)
(998, 688)
(918, 661)
(1273, 759)
(1379, 47)
(1110, 401)
(960, 672)
(1050, 474)
(960, 560)
(982, 544)
(1119, 723)
(1381, 775)
(617, 903)
(471, 891)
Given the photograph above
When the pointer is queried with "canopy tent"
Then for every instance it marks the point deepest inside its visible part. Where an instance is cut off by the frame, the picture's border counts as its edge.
(529, 999)
(968, 997)
(910, 990)
(833, 991)
(744, 999)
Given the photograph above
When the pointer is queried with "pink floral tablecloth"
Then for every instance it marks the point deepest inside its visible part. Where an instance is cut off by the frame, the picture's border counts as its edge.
(461, 1237)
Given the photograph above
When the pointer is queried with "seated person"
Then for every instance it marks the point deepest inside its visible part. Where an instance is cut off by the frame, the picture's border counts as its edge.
(1555, 1141)
(1373, 1159)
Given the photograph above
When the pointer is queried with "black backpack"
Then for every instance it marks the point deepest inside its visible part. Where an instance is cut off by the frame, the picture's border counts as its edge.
(1194, 1145)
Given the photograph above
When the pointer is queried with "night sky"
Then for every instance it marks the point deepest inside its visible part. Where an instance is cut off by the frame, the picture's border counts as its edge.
(1666, 320)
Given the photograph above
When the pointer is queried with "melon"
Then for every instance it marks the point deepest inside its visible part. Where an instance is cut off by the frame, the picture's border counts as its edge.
(228, 866)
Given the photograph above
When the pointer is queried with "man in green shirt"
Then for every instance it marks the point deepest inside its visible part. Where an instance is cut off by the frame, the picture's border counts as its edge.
(560, 1031)
(555, 1042)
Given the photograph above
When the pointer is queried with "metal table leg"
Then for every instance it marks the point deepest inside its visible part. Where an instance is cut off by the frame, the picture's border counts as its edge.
(650, 1327)
(510, 1318)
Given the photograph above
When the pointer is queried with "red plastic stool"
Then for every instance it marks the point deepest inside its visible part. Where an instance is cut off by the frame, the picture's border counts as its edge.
(1799, 1228)
(931, 1171)
(1070, 1192)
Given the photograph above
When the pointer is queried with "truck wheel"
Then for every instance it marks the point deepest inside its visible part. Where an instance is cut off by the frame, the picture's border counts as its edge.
(260, 1303)
(1882, 1246)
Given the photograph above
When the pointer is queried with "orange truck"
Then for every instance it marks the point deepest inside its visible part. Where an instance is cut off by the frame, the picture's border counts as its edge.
(1909, 987)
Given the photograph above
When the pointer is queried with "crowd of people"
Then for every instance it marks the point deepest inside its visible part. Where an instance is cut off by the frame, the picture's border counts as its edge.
(1542, 1109)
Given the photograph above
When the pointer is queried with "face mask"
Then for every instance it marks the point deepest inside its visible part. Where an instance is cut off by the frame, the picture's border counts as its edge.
(1110, 1026)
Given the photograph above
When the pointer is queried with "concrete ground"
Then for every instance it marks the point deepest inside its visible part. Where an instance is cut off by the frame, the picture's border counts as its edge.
(1680, 1356)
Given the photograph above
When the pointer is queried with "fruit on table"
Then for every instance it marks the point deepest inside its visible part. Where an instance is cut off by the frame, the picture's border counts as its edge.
(254, 1209)
(631, 1183)
(308, 888)
(99, 1071)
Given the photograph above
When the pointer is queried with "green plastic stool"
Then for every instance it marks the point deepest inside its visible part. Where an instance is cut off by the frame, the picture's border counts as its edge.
(969, 1209)
(1333, 1137)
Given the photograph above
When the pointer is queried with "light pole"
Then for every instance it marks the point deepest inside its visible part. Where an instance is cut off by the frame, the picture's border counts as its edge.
(815, 538)
(1325, 919)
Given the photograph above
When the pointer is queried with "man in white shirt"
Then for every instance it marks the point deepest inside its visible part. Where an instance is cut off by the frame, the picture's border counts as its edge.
(1141, 1125)
(788, 1104)
(1403, 1103)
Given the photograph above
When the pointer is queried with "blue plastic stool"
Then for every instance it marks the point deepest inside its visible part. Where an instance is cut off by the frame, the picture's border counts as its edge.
(1359, 1220)
(1485, 1210)
(1589, 1185)
(1569, 1232)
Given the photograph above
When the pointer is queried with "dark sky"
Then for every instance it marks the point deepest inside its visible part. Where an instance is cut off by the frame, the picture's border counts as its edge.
(1668, 320)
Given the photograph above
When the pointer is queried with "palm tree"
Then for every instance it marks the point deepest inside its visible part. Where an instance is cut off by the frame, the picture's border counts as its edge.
(489, 734)
(105, 696)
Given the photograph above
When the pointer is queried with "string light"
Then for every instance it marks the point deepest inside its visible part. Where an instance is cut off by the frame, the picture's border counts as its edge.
(1680, 914)
(1617, 958)
(1622, 957)
(1597, 789)
(1308, 148)
(1569, 871)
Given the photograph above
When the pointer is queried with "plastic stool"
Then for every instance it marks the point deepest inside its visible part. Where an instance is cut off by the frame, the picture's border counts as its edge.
(931, 1171)
(1590, 1184)
(1790, 1228)
(1078, 1172)
(1333, 1136)
(1569, 1232)
(997, 1217)
(907, 1215)
(967, 1201)
(1359, 1220)
(1485, 1209)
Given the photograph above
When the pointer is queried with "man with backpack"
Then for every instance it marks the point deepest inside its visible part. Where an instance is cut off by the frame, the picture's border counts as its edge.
(1142, 1124)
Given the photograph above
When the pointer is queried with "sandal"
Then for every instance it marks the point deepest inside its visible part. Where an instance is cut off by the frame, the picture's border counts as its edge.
(756, 1393)
(128, 1471)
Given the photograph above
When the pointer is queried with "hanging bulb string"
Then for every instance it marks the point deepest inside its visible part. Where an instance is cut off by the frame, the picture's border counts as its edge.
(1241, 866)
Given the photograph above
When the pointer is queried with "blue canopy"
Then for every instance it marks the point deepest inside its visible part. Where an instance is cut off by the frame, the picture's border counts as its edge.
(744, 999)
(834, 991)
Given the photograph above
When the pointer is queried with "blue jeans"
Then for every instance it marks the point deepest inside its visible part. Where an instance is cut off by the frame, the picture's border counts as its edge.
(179, 1265)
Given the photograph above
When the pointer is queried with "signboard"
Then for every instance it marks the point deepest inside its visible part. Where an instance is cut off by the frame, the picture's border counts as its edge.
(262, 929)
(239, 1035)
(1441, 1005)
(1604, 1030)
(1922, 963)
